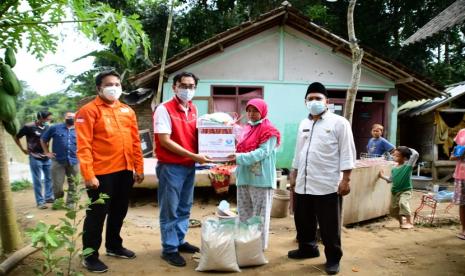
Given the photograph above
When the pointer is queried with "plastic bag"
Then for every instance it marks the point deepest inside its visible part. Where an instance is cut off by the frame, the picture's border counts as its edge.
(217, 118)
(248, 242)
(217, 250)
(459, 151)
(444, 196)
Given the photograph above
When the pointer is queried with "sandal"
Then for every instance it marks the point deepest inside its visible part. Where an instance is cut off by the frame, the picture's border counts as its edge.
(406, 226)
(194, 223)
(461, 236)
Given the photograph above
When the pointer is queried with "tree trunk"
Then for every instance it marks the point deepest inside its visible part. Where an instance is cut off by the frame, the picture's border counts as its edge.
(357, 55)
(447, 57)
(156, 100)
(439, 53)
(9, 231)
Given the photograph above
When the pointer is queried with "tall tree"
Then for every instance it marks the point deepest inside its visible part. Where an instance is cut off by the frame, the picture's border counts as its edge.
(357, 55)
(29, 23)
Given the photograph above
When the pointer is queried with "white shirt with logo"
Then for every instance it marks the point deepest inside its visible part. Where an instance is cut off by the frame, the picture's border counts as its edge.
(324, 148)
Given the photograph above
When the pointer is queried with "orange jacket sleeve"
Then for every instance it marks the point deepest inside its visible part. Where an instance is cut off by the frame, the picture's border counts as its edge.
(84, 123)
(137, 151)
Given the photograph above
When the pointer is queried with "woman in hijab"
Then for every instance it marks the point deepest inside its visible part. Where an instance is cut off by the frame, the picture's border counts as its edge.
(459, 176)
(256, 166)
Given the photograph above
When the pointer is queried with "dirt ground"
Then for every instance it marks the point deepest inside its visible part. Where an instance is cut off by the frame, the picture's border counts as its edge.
(378, 247)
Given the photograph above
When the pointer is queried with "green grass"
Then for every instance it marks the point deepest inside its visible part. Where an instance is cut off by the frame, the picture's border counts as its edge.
(19, 185)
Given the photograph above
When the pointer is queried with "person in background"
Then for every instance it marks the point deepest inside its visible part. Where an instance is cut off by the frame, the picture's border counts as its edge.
(323, 161)
(175, 133)
(110, 158)
(377, 145)
(256, 166)
(401, 179)
(39, 163)
(459, 176)
(63, 156)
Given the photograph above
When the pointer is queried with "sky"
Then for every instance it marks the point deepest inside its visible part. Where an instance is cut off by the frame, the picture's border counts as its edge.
(72, 45)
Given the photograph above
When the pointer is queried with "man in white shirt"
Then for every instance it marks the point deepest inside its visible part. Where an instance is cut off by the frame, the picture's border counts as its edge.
(176, 142)
(323, 160)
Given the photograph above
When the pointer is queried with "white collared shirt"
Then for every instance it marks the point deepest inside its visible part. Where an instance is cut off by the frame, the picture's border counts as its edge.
(162, 119)
(324, 148)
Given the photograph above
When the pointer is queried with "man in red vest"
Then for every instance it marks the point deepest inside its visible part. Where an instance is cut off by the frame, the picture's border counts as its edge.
(176, 149)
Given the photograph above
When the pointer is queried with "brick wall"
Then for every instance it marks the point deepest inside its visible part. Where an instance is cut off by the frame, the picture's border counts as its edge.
(144, 115)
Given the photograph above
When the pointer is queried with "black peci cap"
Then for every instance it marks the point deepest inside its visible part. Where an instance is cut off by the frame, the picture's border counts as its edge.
(316, 87)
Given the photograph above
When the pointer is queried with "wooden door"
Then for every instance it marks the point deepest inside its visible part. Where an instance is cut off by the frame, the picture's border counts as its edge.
(365, 115)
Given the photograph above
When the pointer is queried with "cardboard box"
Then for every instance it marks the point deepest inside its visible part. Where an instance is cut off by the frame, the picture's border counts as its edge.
(217, 142)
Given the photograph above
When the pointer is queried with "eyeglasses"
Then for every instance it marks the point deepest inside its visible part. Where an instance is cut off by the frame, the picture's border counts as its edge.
(186, 86)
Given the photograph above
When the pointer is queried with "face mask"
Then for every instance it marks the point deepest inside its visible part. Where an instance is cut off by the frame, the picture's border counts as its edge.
(185, 95)
(69, 121)
(316, 107)
(112, 93)
(46, 123)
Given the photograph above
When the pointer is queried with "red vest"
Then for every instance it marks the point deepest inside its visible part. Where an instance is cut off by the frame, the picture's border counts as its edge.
(183, 132)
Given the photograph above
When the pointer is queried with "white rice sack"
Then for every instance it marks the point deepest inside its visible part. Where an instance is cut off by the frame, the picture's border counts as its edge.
(248, 242)
(217, 249)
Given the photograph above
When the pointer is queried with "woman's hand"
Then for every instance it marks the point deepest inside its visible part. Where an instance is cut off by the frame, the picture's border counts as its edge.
(231, 158)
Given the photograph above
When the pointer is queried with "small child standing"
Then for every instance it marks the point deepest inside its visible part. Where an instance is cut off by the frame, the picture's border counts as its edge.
(377, 145)
(402, 184)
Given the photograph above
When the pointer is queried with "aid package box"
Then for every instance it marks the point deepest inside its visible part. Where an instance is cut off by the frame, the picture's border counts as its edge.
(216, 137)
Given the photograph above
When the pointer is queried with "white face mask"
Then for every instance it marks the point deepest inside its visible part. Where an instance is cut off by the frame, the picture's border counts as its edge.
(112, 93)
(316, 107)
(185, 95)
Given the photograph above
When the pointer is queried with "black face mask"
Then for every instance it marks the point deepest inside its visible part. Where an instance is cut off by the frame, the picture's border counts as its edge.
(69, 121)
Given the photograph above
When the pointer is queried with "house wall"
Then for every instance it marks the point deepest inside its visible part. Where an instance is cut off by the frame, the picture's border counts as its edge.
(282, 61)
(144, 115)
(417, 132)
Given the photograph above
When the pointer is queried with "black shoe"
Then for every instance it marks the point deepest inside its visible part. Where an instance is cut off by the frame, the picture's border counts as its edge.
(301, 254)
(93, 264)
(121, 253)
(188, 248)
(332, 268)
(174, 259)
(50, 200)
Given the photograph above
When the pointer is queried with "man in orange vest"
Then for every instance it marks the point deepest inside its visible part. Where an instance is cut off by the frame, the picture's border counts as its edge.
(176, 150)
(110, 157)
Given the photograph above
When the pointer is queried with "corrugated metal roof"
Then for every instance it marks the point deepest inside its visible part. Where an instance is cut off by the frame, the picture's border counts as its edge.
(454, 14)
(409, 84)
(416, 108)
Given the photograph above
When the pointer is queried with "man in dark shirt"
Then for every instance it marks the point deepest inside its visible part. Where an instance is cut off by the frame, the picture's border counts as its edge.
(38, 161)
(63, 155)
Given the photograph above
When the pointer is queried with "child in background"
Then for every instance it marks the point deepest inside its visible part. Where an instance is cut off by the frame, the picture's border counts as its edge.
(256, 166)
(377, 145)
(459, 176)
(402, 185)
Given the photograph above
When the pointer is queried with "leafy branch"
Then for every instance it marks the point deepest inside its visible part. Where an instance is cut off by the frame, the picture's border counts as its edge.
(34, 26)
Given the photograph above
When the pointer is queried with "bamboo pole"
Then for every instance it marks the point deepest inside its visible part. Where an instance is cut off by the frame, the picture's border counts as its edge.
(156, 100)
(15, 258)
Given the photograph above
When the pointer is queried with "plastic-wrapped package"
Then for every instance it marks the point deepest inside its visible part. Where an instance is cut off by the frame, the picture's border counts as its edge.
(248, 241)
(217, 249)
(216, 118)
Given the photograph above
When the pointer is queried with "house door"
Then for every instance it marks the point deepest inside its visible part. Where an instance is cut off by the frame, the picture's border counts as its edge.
(365, 115)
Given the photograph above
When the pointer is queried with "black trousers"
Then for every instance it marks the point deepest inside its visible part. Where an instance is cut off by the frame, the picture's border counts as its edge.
(117, 186)
(323, 211)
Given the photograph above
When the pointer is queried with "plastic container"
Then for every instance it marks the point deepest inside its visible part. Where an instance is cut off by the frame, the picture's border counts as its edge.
(280, 208)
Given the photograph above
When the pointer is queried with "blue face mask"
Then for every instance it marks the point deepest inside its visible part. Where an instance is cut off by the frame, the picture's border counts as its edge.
(316, 107)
